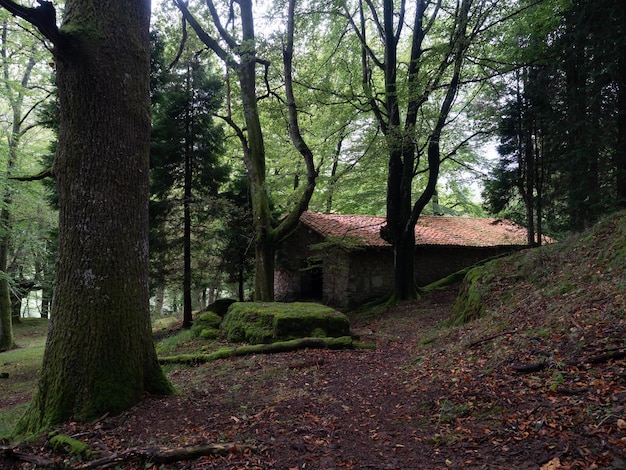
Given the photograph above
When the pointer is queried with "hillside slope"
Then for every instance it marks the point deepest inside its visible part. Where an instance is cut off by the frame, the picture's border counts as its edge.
(541, 335)
(574, 290)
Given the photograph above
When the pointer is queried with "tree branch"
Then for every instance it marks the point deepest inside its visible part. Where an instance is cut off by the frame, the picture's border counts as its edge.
(43, 17)
(47, 173)
(202, 34)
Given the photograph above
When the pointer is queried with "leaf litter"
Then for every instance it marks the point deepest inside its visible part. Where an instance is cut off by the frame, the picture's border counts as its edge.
(538, 382)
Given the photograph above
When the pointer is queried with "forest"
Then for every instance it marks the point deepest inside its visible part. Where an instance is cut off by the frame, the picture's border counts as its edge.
(154, 159)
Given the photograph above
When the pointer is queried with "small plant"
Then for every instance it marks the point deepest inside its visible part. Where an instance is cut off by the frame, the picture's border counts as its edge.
(556, 380)
(449, 411)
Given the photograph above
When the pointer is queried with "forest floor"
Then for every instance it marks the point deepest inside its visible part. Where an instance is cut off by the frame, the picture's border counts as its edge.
(538, 382)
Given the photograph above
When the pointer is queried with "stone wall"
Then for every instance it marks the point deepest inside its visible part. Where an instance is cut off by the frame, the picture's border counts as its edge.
(347, 279)
(371, 276)
(436, 262)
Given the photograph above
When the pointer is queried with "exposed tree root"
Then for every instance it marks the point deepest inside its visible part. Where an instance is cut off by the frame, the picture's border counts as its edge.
(343, 342)
(619, 353)
(156, 455)
(161, 456)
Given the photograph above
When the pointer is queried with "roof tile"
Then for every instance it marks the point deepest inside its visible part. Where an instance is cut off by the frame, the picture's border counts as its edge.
(430, 230)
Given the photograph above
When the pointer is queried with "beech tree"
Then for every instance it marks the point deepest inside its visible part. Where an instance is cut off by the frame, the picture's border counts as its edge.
(414, 68)
(238, 51)
(20, 65)
(99, 355)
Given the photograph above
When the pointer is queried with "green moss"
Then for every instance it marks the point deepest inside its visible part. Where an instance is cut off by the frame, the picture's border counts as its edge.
(318, 333)
(343, 342)
(70, 445)
(469, 305)
(157, 383)
(113, 395)
(206, 321)
(220, 306)
(257, 322)
(210, 334)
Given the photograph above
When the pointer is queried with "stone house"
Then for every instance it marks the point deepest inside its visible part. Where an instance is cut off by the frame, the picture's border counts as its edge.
(341, 260)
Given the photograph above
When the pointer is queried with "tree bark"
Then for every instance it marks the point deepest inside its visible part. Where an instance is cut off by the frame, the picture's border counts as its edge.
(264, 269)
(189, 144)
(99, 354)
(620, 153)
(404, 268)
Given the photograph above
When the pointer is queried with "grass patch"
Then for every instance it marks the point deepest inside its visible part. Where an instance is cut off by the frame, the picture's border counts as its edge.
(182, 340)
(9, 418)
(22, 365)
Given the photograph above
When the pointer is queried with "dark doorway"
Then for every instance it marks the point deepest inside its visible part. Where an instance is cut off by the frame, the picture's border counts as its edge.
(312, 284)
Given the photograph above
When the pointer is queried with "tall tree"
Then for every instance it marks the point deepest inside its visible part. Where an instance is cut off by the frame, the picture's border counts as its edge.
(572, 114)
(412, 83)
(99, 355)
(619, 19)
(185, 168)
(239, 53)
(522, 150)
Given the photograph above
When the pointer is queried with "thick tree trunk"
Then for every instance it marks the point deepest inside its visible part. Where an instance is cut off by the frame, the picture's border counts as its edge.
(404, 269)
(99, 354)
(264, 271)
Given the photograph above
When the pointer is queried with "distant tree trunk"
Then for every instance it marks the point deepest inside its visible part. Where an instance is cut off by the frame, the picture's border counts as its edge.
(528, 183)
(45, 303)
(582, 153)
(99, 355)
(189, 143)
(332, 180)
(6, 324)
(16, 305)
(159, 299)
(539, 178)
(620, 153)
(241, 276)
(16, 100)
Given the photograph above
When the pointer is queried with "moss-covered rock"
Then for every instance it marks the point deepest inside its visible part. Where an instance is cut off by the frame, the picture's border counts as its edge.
(220, 306)
(267, 322)
(207, 325)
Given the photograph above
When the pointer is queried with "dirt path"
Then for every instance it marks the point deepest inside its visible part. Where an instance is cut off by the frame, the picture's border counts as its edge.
(416, 402)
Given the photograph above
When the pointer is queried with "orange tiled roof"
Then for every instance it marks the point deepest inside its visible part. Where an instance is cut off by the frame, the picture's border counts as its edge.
(430, 230)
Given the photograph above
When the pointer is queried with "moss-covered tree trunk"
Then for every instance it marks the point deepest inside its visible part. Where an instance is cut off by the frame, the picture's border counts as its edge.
(242, 58)
(99, 354)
